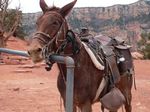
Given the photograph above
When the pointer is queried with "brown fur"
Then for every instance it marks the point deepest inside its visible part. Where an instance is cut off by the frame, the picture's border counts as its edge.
(87, 78)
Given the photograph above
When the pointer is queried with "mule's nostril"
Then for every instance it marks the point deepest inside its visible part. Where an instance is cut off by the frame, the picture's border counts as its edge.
(39, 49)
(29, 52)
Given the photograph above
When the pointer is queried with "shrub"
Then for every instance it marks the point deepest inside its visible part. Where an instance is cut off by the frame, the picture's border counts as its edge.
(146, 51)
(9, 21)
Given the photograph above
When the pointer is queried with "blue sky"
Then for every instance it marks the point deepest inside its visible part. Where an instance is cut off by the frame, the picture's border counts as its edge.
(33, 5)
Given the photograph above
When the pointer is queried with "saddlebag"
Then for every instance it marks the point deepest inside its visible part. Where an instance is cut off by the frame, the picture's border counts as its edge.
(113, 100)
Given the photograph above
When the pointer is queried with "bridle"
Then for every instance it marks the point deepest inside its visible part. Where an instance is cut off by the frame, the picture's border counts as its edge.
(57, 34)
(46, 39)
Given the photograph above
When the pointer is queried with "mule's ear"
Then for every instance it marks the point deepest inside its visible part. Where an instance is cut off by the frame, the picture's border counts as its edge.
(43, 6)
(67, 8)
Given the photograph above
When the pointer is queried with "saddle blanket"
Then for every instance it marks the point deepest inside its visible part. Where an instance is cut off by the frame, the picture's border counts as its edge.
(97, 64)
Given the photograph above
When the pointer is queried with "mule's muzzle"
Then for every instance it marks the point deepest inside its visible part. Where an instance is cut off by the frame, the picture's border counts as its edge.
(36, 55)
(36, 50)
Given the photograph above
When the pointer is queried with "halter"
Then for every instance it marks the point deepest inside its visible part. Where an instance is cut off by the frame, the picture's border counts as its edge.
(55, 37)
(44, 41)
(48, 40)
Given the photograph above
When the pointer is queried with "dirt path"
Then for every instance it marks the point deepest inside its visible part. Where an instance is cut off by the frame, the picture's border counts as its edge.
(34, 89)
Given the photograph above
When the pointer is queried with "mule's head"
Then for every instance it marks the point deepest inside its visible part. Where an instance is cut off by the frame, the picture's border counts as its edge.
(51, 28)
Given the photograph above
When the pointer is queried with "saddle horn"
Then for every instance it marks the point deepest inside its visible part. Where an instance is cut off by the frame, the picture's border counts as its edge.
(43, 5)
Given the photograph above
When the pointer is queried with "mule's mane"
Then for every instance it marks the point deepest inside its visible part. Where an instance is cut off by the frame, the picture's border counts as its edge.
(53, 8)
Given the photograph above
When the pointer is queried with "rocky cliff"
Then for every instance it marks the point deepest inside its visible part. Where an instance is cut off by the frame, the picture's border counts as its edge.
(126, 21)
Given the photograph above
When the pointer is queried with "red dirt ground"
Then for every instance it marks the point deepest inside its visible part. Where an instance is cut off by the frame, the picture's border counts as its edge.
(24, 88)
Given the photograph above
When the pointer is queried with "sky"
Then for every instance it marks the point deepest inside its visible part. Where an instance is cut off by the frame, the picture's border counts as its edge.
(28, 6)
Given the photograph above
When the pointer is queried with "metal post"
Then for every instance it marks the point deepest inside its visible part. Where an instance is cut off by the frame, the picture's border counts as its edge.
(70, 73)
(70, 79)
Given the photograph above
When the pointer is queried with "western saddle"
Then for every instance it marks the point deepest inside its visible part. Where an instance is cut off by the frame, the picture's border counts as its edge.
(116, 57)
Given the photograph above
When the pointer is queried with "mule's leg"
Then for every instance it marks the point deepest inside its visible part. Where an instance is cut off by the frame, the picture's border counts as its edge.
(128, 106)
(102, 108)
(128, 94)
(62, 89)
(87, 107)
(128, 80)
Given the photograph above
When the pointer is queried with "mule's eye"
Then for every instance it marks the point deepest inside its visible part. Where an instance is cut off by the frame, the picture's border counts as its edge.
(55, 23)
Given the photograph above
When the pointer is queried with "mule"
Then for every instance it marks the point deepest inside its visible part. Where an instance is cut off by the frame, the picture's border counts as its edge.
(51, 32)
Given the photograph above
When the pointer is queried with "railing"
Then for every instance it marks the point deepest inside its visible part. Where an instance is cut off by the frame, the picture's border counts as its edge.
(70, 73)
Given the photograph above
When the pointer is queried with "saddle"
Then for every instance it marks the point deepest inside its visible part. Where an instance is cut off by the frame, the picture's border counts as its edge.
(115, 56)
(124, 64)
(117, 60)
(124, 57)
(107, 57)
